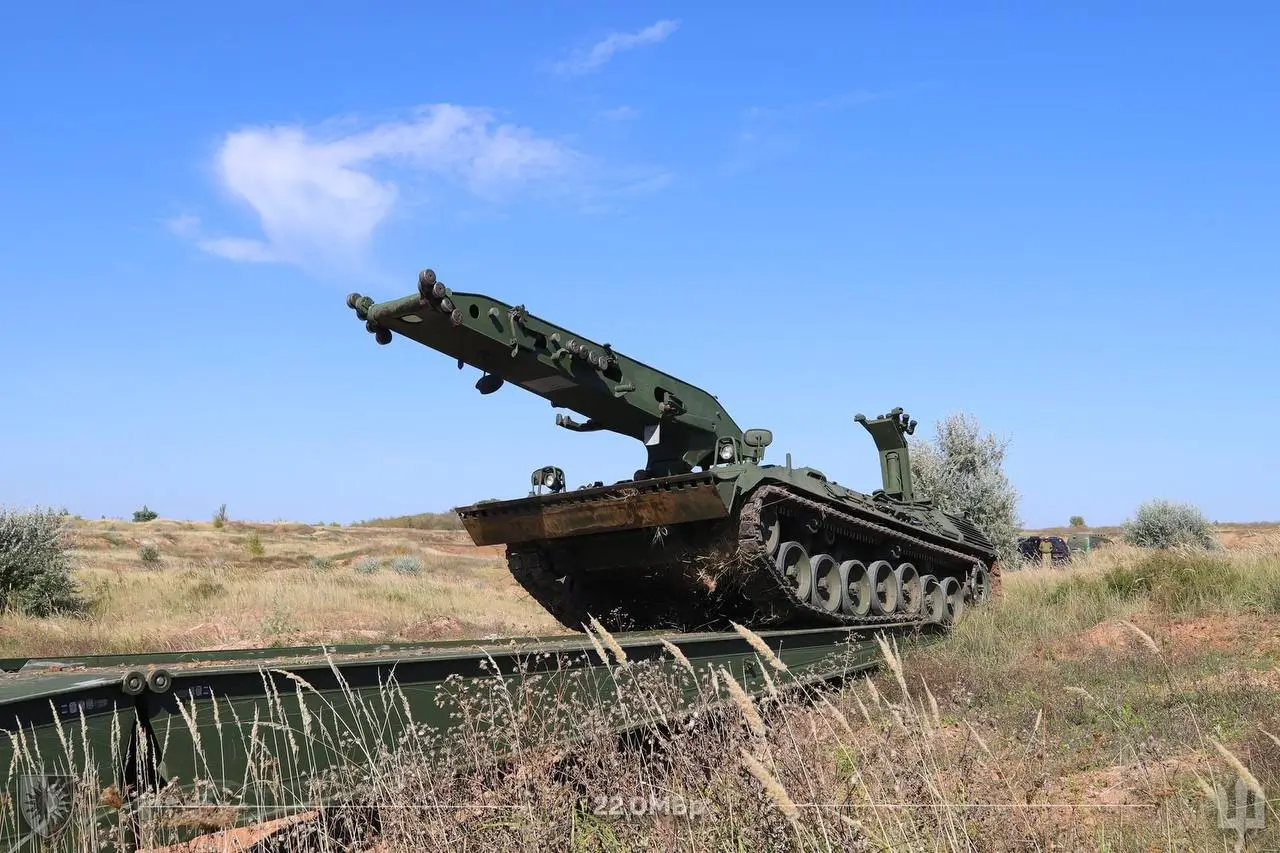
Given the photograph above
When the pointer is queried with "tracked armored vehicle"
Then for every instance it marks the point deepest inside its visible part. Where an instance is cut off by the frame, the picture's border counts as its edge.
(706, 532)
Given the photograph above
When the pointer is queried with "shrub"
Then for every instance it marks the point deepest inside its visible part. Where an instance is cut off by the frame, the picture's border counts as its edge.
(220, 517)
(420, 521)
(406, 565)
(367, 565)
(320, 564)
(1167, 524)
(36, 565)
(149, 553)
(1077, 521)
(254, 545)
(961, 471)
(144, 514)
(1188, 583)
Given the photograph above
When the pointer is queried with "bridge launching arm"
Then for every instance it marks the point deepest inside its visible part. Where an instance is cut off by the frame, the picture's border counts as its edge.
(890, 432)
(682, 426)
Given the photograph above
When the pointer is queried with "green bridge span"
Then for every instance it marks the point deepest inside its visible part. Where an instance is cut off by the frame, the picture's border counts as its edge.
(153, 749)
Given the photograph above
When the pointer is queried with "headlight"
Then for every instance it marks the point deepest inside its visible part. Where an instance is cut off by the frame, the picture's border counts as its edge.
(549, 477)
(726, 452)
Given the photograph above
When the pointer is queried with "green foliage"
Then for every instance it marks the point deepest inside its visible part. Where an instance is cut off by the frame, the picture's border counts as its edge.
(1077, 521)
(420, 521)
(320, 564)
(220, 517)
(1182, 583)
(367, 565)
(36, 565)
(149, 553)
(1168, 524)
(961, 470)
(279, 622)
(407, 565)
(254, 545)
(145, 514)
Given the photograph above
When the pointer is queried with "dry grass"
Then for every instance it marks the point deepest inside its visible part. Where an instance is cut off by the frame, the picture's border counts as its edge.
(210, 589)
(1088, 711)
(1091, 709)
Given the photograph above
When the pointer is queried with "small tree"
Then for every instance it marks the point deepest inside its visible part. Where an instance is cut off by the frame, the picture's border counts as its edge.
(1077, 521)
(144, 514)
(961, 470)
(36, 565)
(220, 517)
(1168, 524)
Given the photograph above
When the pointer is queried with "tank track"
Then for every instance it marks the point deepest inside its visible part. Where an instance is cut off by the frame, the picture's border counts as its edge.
(770, 591)
(533, 570)
(574, 598)
(753, 591)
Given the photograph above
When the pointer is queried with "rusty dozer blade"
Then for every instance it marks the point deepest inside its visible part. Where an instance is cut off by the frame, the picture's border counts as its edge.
(623, 506)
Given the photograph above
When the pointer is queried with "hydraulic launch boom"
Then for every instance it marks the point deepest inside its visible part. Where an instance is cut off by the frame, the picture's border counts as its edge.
(682, 425)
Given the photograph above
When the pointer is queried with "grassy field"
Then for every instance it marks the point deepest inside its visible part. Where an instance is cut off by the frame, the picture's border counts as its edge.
(1091, 708)
(246, 584)
(1094, 709)
(1231, 535)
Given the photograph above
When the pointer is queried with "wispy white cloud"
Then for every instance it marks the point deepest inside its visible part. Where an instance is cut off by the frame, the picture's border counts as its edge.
(319, 195)
(594, 57)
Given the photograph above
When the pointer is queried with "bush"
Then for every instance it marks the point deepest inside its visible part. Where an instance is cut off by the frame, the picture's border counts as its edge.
(961, 471)
(1167, 524)
(367, 565)
(1077, 521)
(254, 545)
(220, 517)
(407, 565)
(420, 521)
(320, 564)
(149, 553)
(36, 565)
(144, 514)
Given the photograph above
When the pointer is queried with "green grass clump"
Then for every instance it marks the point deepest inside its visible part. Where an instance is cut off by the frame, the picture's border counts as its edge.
(1183, 583)
(320, 564)
(367, 565)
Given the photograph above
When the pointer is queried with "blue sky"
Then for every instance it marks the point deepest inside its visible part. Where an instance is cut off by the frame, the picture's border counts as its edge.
(1061, 221)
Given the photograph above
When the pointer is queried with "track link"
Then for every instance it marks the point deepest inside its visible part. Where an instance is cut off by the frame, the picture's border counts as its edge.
(770, 590)
(532, 569)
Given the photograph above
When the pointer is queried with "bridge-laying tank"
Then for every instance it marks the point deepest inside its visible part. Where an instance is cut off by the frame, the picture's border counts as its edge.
(706, 532)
